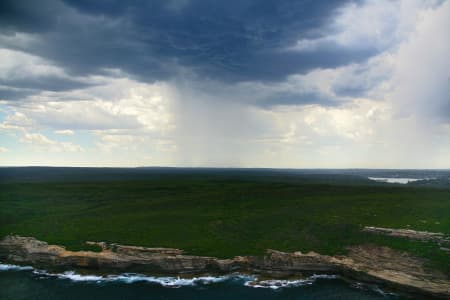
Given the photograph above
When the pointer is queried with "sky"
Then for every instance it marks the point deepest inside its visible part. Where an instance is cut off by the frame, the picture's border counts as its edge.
(249, 83)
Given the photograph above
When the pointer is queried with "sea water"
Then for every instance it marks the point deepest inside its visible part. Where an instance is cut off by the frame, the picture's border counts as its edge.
(29, 283)
(399, 180)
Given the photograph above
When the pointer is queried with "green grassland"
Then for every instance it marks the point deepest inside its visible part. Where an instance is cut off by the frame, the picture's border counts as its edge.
(225, 216)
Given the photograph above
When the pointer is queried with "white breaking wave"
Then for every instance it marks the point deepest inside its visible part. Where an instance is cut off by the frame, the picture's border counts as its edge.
(371, 287)
(132, 277)
(279, 284)
(178, 281)
(7, 267)
(173, 282)
(71, 275)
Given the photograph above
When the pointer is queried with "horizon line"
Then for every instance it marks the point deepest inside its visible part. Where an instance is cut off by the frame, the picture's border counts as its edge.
(223, 167)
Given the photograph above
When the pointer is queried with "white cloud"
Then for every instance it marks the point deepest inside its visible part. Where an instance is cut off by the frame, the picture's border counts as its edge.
(65, 132)
(119, 104)
(18, 65)
(43, 143)
(376, 25)
(16, 121)
(121, 115)
(96, 114)
(3, 149)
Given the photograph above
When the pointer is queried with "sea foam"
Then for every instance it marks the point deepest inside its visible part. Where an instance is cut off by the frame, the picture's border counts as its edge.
(7, 267)
(172, 282)
(279, 284)
(373, 288)
(130, 277)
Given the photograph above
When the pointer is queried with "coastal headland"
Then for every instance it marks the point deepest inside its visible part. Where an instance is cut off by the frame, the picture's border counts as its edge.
(366, 263)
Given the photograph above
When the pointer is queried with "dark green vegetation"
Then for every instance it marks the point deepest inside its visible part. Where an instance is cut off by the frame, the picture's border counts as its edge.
(225, 215)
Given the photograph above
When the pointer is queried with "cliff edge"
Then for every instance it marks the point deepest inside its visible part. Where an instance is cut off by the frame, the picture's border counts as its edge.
(366, 263)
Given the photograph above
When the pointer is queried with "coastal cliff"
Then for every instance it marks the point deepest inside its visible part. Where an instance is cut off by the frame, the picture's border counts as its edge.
(366, 263)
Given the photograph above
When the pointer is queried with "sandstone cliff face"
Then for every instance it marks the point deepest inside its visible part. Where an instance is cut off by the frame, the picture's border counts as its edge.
(115, 257)
(363, 263)
(396, 269)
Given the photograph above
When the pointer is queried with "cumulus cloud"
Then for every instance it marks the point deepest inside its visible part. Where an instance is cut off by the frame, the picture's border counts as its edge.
(16, 121)
(227, 41)
(119, 104)
(65, 132)
(22, 74)
(43, 143)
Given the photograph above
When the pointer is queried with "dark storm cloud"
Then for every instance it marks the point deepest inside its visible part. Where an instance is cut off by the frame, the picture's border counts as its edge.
(29, 16)
(275, 65)
(45, 83)
(7, 93)
(18, 89)
(224, 40)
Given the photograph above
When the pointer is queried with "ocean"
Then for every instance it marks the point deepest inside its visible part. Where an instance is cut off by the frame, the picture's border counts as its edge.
(28, 283)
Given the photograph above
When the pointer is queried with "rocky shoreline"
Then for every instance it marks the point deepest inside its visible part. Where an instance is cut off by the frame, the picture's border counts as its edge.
(366, 263)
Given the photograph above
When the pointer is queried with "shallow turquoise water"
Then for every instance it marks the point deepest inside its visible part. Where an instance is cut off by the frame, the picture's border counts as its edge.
(30, 284)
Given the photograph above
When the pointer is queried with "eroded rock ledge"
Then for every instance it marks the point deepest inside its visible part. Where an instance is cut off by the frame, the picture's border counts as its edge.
(437, 237)
(364, 263)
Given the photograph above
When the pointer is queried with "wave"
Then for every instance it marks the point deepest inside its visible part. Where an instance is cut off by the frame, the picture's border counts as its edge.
(7, 267)
(132, 278)
(176, 282)
(71, 275)
(276, 284)
(373, 288)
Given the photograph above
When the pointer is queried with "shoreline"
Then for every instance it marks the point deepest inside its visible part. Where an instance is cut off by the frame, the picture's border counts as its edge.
(365, 263)
(245, 280)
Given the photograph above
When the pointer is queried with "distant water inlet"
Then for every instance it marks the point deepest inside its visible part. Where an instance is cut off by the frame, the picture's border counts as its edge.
(397, 180)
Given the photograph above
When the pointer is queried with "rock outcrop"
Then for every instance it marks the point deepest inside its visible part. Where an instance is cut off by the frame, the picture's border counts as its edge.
(363, 263)
(112, 257)
(437, 237)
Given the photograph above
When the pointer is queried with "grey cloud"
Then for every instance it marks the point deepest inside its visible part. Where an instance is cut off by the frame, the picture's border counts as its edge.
(29, 16)
(361, 80)
(43, 83)
(305, 98)
(273, 66)
(230, 41)
(7, 93)
(88, 119)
